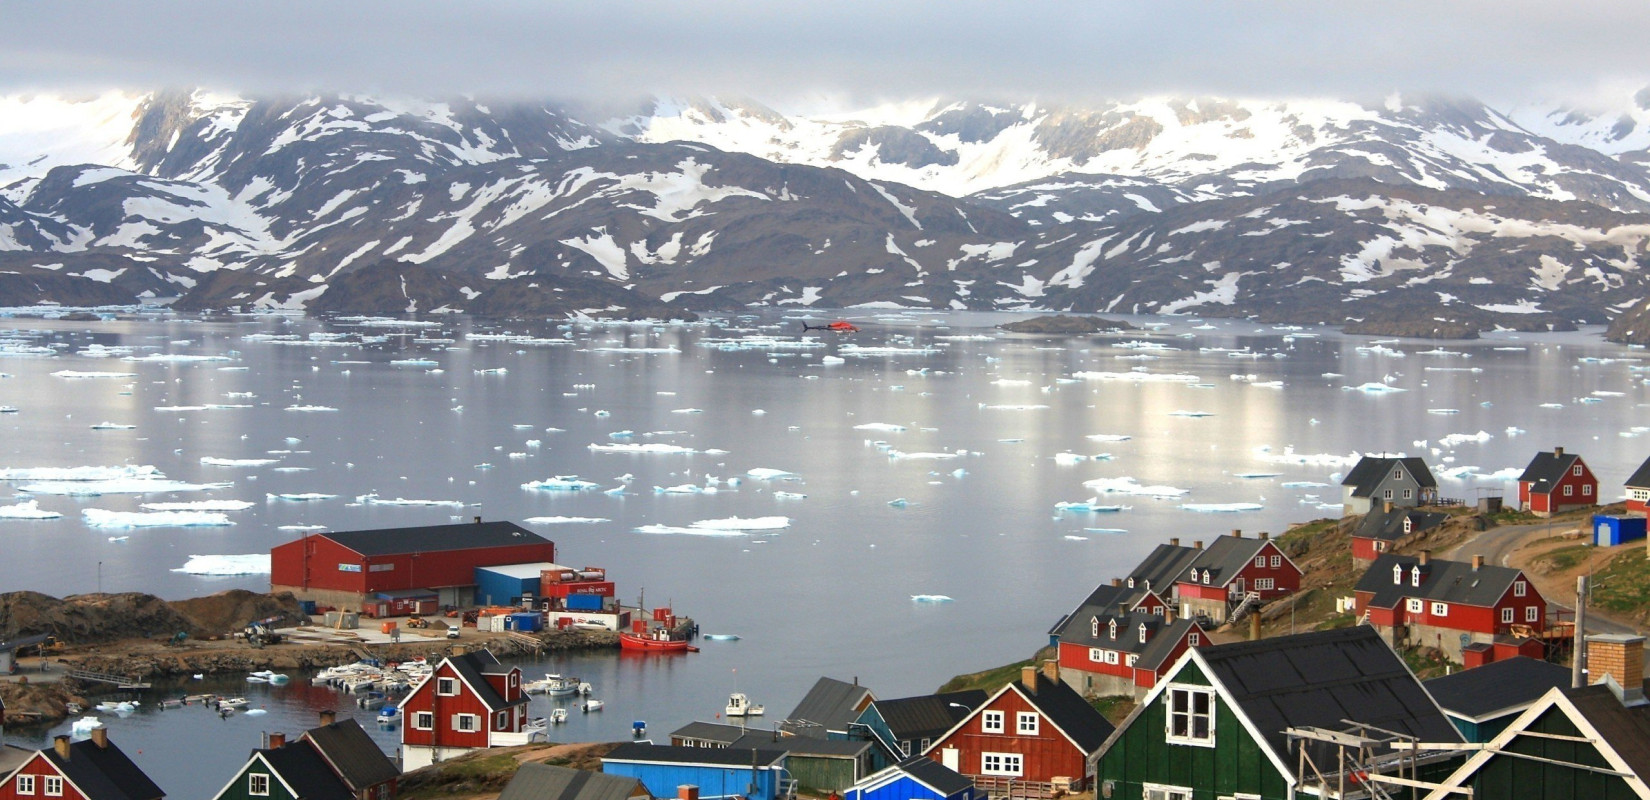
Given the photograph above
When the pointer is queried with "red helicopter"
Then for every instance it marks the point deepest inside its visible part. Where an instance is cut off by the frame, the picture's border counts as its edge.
(840, 326)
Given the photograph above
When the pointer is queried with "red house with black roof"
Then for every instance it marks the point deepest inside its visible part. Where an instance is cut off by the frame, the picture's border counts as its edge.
(1638, 490)
(1235, 574)
(1555, 482)
(1422, 601)
(94, 769)
(1105, 651)
(1384, 529)
(469, 702)
(1034, 734)
(348, 569)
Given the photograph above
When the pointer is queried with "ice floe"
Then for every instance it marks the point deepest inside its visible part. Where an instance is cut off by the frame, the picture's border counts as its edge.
(199, 505)
(1458, 439)
(1373, 388)
(103, 518)
(560, 483)
(565, 520)
(238, 462)
(1089, 506)
(78, 473)
(770, 474)
(310, 408)
(930, 598)
(249, 564)
(650, 447)
(1130, 486)
(112, 426)
(301, 496)
(28, 509)
(88, 488)
(75, 374)
(883, 427)
(1220, 508)
(372, 499)
(1137, 377)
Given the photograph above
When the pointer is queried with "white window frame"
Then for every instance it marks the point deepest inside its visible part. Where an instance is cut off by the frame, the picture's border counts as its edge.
(1111, 628)
(1265, 584)
(253, 780)
(1587, 490)
(1519, 587)
(1440, 609)
(1277, 561)
(1398, 574)
(446, 687)
(1111, 656)
(1133, 658)
(1415, 577)
(1097, 655)
(1027, 723)
(1388, 495)
(53, 785)
(1010, 764)
(1507, 614)
(1142, 633)
(1186, 697)
(1094, 627)
(472, 720)
(426, 717)
(1409, 494)
(1260, 561)
(1159, 791)
(25, 784)
(923, 746)
(1532, 614)
(1576, 470)
(991, 722)
(1569, 491)
(1397, 474)
(905, 748)
(1416, 605)
(501, 720)
(1193, 640)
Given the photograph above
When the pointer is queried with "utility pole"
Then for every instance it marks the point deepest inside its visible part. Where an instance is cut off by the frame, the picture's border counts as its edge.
(100, 577)
(1578, 646)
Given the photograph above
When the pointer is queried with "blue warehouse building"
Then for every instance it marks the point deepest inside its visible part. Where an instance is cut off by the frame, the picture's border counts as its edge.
(718, 772)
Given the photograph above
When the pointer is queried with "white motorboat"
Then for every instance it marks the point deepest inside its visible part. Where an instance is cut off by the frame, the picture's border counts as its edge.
(232, 702)
(741, 706)
(593, 705)
(558, 716)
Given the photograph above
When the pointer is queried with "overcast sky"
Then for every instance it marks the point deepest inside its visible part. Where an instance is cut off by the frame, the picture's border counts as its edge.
(1506, 52)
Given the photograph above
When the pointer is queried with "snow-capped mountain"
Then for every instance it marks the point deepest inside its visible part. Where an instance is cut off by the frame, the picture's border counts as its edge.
(1299, 211)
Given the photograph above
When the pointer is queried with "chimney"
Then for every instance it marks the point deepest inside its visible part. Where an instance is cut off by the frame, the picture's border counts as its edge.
(687, 791)
(1168, 615)
(1117, 581)
(1051, 670)
(1254, 626)
(1558, 452)
(1264, 535)
(277, 741)
(1477, 561)
(1174, 541)
(1621, 657)
(1388, 505)
(61, 745)
(459, 649)
(1426, 556)
(1237, 533)
(328, 717)
(1028, 678)
(100, 737)
(1197, 545)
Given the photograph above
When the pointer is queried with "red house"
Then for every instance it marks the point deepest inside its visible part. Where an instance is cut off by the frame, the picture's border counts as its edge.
(1233, 572)
(1381, 531)
(1419, 601)
(1556, 482)
(1106, 651)
(348, 569)
(1638, 490)
(469, 702)
(94, 769)
(1034, 734)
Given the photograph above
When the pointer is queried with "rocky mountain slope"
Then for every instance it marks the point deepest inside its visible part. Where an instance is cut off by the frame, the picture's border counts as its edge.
(1434, 216)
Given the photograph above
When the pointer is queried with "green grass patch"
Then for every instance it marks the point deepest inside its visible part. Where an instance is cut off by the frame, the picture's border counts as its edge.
(1114, 708)
(993, 679)
(1299, 539)
(1563, 558)
(469, 775)
(1623, 585)
(1335, 621)
(1425, 664)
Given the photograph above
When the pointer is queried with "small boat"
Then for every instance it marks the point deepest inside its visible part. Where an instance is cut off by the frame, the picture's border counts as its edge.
(558, 716)
(585, 689)
(593, 705)
(175, 702)
(388, 715)
(553, 685)
(638, 728)
(267, 676)
(659, 641)
(371, 700)
(231, 703)
(741, 706)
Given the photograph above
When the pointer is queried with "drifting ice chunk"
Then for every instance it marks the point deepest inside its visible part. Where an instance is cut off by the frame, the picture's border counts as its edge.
(1108, 437)
(1012, 407)
(28, 509)
(174, 357)
(565, 520)
(1068, 459)
(902, 455)
(1457, 439)
(1091, 506)
(373, 499)
(112, 426)
(1256, 474)
(304, 496)
(102, 518)
(123, 486)
(1302, 484)
(1373, 388)
(832, 361)
(69, 373)
(301, 528)
(560, 483)
(250, 564)
(1137, 377)
(930, 598)
(78, 473)
(238, 462)
(651, 447)
(885, 427)
(200, 505)
(743, 524)
(769, 474)
(310, 408)
(1128, 486)
(1218, 508)
(789, 496)
(1194, 414)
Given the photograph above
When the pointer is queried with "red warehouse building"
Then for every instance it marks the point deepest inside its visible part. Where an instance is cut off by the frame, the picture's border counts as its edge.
(1425, 602)
(349, 569)
(1555, 482)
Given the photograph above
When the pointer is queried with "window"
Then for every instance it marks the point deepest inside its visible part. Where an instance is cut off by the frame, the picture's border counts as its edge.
(446, 687)
(1194, 639)
(991, 722)
(1415, 576)
(1260, 561)
(1506, 615)
(1397, 474)
(1001, 764)
(1142, 633)
(1112, 627)
(25, 784)
(1026, 723)
(54, 785)
(1576, 470)
(1191, 717)
(501, 720)
(1111, 656)
(1205, 577)
(1094, 627)
(1587, 489)
(257, 783)
(1097, 655)
(423, 720)
(1518, 589)
(1409, 527)
(1569, 490)
(925, 743)
(467, 723)
(1440, 609)
(1265, 584)
(1277, 561)
(1532, 614)
(1408, 493)
(905, 747)
(1388, 495)
(1415, 605)
(1133, 658)
(1380, 547)
(1131, 583)
(1159, 792)
(1398, 574)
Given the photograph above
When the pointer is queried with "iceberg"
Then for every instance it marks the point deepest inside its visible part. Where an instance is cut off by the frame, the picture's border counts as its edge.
(179, 358)
(930, 598)
(310, 408)
(885, 427)
(1129, 486)
(789, 496)
(1221, 508)
(249, 564)
(1373, 388)
(69, 373)
(1012, 407)
(78, 473)
(28, 509)
(302, 496)
(1137, 377)
(1108, 437)
(103, 518)
(112, 426)
(119, 486)
(1091, 505)
(1194, 414)
(743, 524)
(372, 499)
(669, 529)
(769, 474)
(560, 483)
(199, 505)
(650, 447)
(1457, 439)
(898, 455)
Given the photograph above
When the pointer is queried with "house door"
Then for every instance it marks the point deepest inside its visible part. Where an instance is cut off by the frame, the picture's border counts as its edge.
(1237, 588)
(949, 758)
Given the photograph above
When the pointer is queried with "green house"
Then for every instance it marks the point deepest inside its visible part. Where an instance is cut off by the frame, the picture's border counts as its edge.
(1218, 725)
(1483, 701)
(336, 761)
(1572, 744)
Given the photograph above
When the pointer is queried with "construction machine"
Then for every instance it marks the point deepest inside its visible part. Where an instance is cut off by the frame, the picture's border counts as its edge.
(262, 632)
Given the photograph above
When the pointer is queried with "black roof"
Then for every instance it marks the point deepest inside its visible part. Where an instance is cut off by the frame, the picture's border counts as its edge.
(1224, 558)
(1625, 730)
(1443, 581)
(1068, 711)
(23, 641)
(829, 706)
(104, 773)
(1547, 469)
(1319, 679)
(935, 775)
(929, 715)
(536, 781)
(303, 768)
(709, 732)
(1389, 525)
(1162, 567)
(1080, 630)
(1371, 470)
(353, 754)
(1497, 688)
(434, 538)
(800, 745)
(664, 753)
(1641, 476)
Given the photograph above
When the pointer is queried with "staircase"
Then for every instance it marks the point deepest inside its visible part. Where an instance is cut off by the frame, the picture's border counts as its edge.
(1249, 603)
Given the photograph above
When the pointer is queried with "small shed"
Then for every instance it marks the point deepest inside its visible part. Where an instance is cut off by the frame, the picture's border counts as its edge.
(917, 778)
(817, 765)
(1610, 530)
(401, 602)
(506, 583)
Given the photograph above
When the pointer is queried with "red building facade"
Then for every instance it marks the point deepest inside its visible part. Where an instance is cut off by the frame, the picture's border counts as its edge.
(94, 769)
(1424, 602)
(1033, 731)
(1557, 481)
(468, 703)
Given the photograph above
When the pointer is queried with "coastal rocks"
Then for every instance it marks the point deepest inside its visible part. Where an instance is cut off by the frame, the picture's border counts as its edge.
(1065, 325)
(99, 618)
(227, 612)
(1633, 326)
(41, 701)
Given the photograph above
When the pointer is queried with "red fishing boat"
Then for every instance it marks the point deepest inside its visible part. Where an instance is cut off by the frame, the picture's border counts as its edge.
(657, 641)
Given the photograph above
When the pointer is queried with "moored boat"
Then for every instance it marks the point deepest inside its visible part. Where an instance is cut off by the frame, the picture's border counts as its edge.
(741, 706)
(659, 641)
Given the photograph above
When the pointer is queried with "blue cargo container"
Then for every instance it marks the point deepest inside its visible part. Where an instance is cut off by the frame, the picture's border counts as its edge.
(526, 622)
(1609, 531)
(503, 584)
(584, 602)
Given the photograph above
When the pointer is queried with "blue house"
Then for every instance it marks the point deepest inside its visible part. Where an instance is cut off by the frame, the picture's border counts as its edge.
(917, 778)
(717, 771)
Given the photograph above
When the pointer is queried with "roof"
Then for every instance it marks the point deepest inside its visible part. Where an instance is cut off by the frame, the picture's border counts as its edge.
(1641, 476)
(709, 732)
(12, 757)
(473, 669)
(23, 641)
(352, 753)
(800, 745)
(104, 773)
(303, 769)
(829, 706)
(522, 571)
(1067, 710)
(1625, 730)
(1443, 581)
(1389, 526)
(1371, 470)
(1320, 679)
(671, 754)
(435, 538)
(1497, 688)
(1163, 644)
(1162, 567)
(406, 594)
(1224, 558)
(934, 775)
(930, 715)
(1081, 632)
(546, 782)
(1547, 469)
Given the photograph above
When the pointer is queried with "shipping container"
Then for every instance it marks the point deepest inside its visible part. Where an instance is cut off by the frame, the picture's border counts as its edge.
(1609, 531)
(527, 622)
(584, 602)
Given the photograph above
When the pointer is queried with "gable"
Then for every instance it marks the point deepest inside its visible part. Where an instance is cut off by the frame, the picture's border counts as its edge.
(1513, 759)
(257, 763)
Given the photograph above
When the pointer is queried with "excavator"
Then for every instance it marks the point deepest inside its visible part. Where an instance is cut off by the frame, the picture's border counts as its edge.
(261, 633)
(839, 326)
